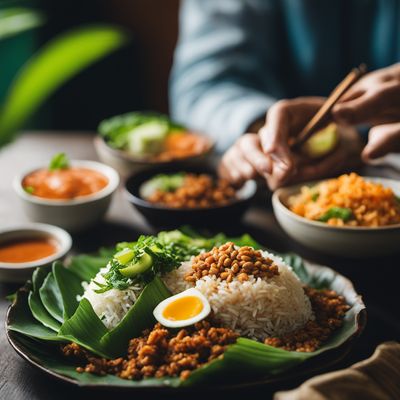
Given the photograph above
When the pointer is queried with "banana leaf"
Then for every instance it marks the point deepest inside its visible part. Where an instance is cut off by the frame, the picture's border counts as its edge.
(69, 286)
(87, 266)
(138, 318)
(21, 319)
(86, 328)
(51, 298)
(35, 303)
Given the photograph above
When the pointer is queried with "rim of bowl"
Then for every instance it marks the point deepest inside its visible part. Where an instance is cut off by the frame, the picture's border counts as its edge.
(277, 202)
(252, 184)
(62, 237)
(110, 173)
(100, 141)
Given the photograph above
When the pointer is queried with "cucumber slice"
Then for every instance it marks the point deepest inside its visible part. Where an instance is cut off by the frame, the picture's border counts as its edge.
(322, 143)
(147, 139)
(124, 256)
(138, 267)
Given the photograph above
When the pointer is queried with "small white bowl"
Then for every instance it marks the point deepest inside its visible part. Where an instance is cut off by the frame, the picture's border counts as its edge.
(75, 214)
(127, 164)
(20, 272)
(346, 241)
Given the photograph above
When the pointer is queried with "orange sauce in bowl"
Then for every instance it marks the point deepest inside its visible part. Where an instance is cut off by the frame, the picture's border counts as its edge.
(64, 184)
(26, 250)
(183, 144)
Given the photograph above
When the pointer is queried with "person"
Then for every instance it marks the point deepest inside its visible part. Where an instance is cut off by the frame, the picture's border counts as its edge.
(251, 73)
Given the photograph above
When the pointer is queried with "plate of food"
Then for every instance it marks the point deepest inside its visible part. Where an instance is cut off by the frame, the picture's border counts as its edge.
(138, 140)
(178, 311)
(351, 216)
(195, 195)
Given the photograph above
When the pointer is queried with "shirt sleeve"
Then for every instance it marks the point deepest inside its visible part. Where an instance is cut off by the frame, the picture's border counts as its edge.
(225, 66)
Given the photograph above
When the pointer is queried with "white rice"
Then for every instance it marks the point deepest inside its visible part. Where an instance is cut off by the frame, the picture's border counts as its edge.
(256, 308)
(112, 305)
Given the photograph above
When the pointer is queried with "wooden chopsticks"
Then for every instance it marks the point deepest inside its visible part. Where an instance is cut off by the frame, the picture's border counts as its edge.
(319, 119)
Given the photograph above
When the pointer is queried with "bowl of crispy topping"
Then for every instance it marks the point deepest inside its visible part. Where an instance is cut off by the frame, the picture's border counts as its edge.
(172, 196)
(349, 216)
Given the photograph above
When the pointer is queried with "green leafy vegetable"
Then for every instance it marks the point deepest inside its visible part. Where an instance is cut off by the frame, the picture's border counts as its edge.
(344, 214)
(139, 132)
(59, 161)
(163, 258)
(163, 182)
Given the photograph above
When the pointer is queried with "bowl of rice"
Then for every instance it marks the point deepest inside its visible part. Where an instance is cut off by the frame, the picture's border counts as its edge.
(349, 216)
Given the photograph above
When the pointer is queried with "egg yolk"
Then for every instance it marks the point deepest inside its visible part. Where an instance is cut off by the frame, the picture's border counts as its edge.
(183, 308)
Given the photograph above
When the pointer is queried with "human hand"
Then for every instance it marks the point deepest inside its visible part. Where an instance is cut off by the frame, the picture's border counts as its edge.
(278, 164)
(374, 99)
(244, 160)
(285, 119)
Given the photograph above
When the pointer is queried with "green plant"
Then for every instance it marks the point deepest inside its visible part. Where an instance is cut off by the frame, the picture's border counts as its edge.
(57, 61)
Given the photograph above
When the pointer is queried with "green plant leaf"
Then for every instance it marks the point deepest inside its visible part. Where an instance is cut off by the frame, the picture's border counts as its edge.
(59, 161)
(87, 266)
(40, 313)
(18, 19)
(55, 63)
(50, 357)
(69, 286)
(86, 329)
(21, 320)
(138, 318)
(51, 298)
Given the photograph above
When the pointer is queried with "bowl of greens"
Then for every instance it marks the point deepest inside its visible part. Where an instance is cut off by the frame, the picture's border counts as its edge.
(118, 319)
(171, 196)
(136, 140)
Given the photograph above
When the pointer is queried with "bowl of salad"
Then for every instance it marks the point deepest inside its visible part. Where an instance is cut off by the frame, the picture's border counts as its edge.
(137, 140)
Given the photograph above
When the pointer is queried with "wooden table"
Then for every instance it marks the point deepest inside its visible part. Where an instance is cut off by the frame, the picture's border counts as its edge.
(377, 280)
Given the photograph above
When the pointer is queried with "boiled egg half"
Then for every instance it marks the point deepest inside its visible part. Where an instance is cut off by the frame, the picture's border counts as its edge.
(183, 309)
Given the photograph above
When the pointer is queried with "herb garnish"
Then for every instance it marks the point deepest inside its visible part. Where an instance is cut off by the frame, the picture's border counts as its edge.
(167, 251)
(59, 161)
(342, 213)
(29, 189)
(314, 196)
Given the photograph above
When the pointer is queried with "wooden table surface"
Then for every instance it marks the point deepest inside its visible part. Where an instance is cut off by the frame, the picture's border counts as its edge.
(376, 279)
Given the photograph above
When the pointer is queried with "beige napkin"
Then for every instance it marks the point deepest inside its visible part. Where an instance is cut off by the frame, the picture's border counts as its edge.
(377, 378)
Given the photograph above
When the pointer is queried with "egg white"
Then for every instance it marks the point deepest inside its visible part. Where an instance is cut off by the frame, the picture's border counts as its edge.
(158, 311)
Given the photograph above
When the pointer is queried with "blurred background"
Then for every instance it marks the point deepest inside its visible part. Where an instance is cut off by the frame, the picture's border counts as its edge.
(135, 77)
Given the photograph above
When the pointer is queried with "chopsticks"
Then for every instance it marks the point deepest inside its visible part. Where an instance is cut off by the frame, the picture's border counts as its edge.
(318, 120)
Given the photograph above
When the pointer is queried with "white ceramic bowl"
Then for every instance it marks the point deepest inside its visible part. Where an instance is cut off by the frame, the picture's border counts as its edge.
(75, 214)
(20, 272)
(354, 242)
(127, 164)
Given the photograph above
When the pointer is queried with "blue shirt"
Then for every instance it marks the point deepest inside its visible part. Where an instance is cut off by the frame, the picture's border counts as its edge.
(235, 58)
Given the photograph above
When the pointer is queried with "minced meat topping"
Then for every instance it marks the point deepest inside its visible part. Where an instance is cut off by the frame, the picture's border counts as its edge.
(160, 352)
(329, 309)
